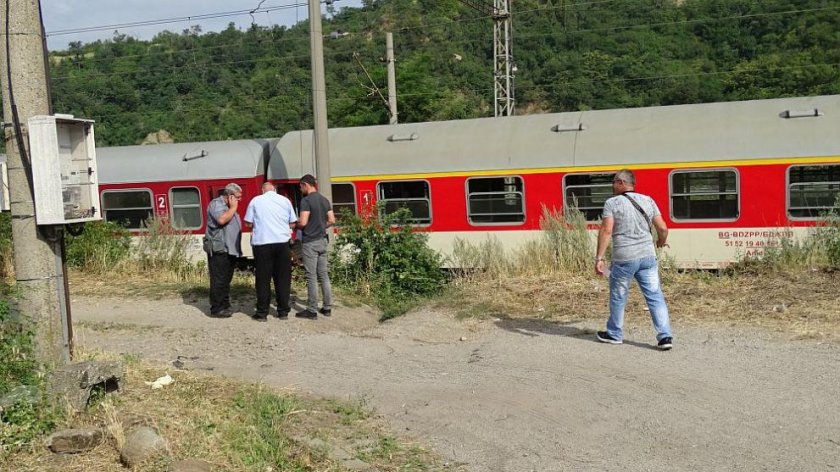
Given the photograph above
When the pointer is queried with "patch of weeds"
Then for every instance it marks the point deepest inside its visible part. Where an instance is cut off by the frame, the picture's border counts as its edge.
(18, 365)
(26, 418)
(256, 438)
(384, 449)
(101, 247)
(104, 326)
(6, 254)
(234, 426)
(349, 413)
(23, 422)
(131, 358)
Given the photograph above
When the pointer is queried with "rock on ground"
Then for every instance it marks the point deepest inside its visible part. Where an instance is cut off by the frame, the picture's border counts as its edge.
(72, 441)
(140, 444)
(75, 383)
(191, 465)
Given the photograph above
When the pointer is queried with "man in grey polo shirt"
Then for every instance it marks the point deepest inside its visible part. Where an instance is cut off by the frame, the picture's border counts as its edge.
(316, 215)
(223, 245)
(273, 219)
(627, 219)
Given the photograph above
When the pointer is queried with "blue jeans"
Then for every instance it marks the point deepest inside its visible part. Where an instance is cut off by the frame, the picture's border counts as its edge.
(646, 272)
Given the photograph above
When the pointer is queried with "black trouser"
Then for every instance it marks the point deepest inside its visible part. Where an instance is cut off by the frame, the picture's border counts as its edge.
(221, 273)
(273, 262)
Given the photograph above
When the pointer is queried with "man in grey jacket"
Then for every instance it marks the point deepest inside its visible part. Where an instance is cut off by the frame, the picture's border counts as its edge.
(224, 227)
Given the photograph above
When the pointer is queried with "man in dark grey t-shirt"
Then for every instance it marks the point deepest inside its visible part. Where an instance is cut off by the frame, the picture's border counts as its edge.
(316, 216)
(627, 219)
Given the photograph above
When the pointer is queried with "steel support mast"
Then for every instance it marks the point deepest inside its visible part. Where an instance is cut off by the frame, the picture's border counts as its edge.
(502, 56)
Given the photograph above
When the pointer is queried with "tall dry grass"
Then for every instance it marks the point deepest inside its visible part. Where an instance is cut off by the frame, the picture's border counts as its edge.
(165, 251)
(565, 246)
(545, 277)
(161, 254)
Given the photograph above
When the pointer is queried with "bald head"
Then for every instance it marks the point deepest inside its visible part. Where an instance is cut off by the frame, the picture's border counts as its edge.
(267, 187)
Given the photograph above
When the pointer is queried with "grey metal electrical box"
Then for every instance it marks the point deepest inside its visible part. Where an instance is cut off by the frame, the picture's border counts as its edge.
(63, 156)
(4, 185)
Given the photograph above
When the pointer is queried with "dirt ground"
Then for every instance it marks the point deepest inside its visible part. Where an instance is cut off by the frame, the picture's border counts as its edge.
(510, 395)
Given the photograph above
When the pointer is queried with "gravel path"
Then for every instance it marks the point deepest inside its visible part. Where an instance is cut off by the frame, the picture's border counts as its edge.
(504, 395)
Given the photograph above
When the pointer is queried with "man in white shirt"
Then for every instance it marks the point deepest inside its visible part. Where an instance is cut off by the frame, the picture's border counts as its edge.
(273, 219)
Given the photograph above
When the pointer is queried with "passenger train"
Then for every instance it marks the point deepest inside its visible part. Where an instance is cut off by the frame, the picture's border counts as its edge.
(729, 178)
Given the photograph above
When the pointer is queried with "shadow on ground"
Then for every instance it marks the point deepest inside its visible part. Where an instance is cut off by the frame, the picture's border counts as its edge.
(531, 327)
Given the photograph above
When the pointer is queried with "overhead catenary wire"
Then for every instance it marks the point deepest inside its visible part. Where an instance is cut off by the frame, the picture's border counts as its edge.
(172, 20)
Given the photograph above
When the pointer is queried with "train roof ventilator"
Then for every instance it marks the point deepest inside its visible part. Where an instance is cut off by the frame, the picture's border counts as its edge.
(63, 156)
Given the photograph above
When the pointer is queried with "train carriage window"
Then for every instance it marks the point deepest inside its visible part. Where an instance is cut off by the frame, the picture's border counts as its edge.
(704, 195)
(130, 208)
(587, 193)
(812, 190)
(344, 199)
(185, 208)
(495, 200)
(412, 194)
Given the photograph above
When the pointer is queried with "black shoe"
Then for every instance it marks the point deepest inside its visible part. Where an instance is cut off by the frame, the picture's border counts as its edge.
(283, 315)
(325, 311)
(665, 343)
(605, 337)
(224, 313)
(310, 315)
(260, 316)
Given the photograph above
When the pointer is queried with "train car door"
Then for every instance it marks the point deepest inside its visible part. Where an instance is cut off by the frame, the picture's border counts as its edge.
(290, 190)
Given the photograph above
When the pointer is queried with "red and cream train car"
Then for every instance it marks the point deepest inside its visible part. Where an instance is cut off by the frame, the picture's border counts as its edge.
(177, 182)
(729, 178)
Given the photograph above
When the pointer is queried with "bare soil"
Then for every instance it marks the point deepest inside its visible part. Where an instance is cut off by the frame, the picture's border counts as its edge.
(507, 394)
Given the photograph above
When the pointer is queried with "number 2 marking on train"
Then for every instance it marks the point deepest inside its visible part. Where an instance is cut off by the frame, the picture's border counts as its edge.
(161, 201)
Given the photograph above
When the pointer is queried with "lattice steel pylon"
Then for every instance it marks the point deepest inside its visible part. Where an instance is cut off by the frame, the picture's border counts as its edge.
(503, 67)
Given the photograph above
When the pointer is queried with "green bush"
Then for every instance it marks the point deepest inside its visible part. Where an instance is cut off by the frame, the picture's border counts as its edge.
(22, 421)
(101, 247)
(17, 344)
(386, 259)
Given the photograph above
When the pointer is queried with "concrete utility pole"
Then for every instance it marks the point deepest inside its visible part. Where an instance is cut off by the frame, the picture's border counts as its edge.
(392, 77)
(319, 101)
(23, 74)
